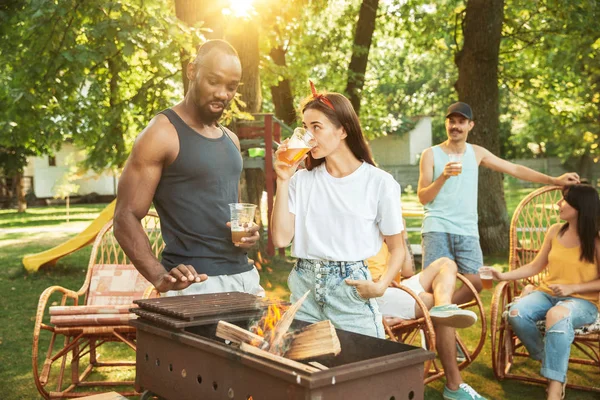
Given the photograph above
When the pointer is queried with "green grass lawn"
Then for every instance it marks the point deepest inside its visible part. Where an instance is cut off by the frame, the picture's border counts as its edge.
(21, 291)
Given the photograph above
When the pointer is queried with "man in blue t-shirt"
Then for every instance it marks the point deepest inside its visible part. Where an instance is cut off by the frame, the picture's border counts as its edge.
(447, 189)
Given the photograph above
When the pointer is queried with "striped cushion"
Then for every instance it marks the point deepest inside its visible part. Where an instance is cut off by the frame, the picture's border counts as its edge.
(114, 284)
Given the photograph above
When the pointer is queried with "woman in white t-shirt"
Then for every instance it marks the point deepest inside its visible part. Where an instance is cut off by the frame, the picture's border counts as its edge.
(338, 211)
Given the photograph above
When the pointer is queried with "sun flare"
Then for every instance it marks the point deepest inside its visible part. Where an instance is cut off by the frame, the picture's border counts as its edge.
(240, 8)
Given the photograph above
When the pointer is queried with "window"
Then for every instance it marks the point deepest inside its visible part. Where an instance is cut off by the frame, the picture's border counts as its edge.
(51, 161)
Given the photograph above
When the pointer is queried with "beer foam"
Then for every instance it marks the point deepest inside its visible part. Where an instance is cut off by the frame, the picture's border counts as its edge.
(296, 143)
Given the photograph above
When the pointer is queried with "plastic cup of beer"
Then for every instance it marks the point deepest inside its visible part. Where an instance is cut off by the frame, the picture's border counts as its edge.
(299, 144)
(487, 278)
(242, 217)
(456, 158)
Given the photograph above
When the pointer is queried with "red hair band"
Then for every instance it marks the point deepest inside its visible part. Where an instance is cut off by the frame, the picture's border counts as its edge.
(320, 97)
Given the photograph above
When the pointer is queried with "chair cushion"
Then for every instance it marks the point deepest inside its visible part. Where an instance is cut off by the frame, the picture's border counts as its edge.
(583, 330)
(115, 284)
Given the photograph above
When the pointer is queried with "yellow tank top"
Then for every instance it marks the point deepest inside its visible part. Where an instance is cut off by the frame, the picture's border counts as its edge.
(565, 267)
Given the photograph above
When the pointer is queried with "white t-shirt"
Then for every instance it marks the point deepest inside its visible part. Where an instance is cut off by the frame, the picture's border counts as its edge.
(343, 219)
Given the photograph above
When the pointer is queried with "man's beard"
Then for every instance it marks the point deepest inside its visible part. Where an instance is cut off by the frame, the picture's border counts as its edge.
(210, 116)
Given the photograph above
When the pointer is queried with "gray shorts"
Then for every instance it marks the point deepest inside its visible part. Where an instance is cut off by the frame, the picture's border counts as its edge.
(465, 251)
(247, 282)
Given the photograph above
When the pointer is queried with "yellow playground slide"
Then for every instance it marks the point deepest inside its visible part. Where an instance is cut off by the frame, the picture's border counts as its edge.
(33, 262)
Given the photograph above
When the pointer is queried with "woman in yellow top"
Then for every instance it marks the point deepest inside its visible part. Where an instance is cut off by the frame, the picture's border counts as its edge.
(569, 293)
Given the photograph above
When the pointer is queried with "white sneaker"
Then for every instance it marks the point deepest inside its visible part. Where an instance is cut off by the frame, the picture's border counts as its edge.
(452, 315)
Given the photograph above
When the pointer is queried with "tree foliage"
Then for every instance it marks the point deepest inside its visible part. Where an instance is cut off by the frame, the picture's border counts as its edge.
(551, 75)
(93, 71)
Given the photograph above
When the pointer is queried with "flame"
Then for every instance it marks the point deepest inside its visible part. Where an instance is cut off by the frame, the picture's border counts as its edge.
(265, 326)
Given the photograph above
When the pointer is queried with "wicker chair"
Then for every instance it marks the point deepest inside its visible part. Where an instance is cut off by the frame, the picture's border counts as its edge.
(421, 333)
(72, 328)
(530, 222)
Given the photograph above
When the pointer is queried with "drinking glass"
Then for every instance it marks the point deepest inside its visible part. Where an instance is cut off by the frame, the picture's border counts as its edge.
(456, 158)
(299, 144)
(487, 279)
(242, 216)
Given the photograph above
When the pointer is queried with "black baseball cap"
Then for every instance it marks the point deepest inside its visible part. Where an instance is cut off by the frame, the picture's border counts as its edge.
(460, 108)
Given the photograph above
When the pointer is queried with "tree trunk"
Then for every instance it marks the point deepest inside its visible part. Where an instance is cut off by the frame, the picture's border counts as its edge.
(283, 99)
(191, 12)
(360, 51)
(21, 202)
(243, 36)
(477, 86)
(586, 167)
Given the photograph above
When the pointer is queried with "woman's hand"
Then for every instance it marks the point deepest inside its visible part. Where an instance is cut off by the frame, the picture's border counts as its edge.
(497, 275)
(283, 170)
(367, 289)
(562, 290)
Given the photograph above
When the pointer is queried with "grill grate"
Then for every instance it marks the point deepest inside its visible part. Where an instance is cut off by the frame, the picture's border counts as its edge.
(191, 310)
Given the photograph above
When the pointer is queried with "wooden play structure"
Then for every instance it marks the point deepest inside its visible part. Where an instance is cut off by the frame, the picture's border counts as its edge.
(262, 132)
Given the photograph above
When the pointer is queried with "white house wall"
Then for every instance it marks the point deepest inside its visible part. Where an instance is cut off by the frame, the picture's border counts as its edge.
(420, 139)
(390, 150)
(405, 149)
(45, 176)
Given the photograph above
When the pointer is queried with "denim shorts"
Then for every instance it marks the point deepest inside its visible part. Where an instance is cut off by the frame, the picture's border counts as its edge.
(330, 298)
(464, 250)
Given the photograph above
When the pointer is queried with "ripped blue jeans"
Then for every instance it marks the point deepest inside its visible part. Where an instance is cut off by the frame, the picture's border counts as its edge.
(553, 349)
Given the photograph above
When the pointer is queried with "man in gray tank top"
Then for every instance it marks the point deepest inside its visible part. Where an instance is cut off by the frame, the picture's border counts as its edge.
(189, 166)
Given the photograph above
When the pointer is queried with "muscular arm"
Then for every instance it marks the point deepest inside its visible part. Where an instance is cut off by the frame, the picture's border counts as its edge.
(153, 149)
(489, 160)
(428, 189)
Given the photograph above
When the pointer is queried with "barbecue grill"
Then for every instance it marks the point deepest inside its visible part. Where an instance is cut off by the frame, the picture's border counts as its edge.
(179, 357)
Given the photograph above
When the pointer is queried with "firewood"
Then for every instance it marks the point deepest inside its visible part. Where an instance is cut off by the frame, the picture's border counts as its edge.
(235, 334)
(315, 340)
(273, 357)
(276, 344)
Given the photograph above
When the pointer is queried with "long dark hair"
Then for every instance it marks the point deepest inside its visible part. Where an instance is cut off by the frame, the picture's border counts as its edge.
(584, 198)
(343, 115)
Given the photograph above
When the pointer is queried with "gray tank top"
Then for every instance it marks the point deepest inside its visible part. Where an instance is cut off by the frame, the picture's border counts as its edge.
(192, 200)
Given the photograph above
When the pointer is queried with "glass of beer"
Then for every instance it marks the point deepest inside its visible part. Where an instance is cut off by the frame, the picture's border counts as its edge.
(487, 279)
(299, 144)
(456, 158)
(242, 216)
